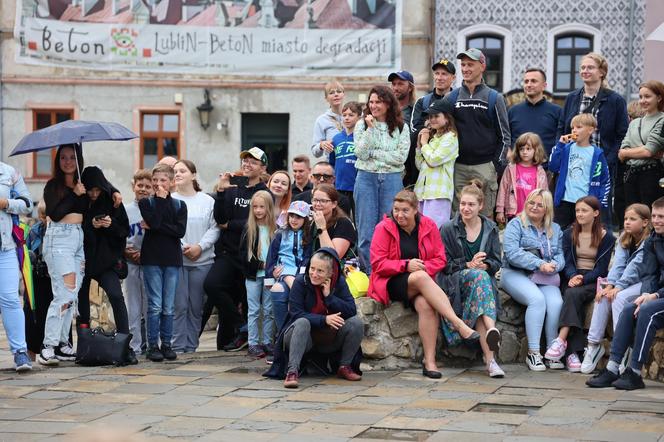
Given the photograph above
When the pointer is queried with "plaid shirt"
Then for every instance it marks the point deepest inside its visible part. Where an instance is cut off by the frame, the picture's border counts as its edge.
(586, 102)
(435, 160)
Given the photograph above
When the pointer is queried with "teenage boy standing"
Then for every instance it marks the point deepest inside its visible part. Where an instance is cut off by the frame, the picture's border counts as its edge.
(134, 290)
(224, 284)
(165, 222)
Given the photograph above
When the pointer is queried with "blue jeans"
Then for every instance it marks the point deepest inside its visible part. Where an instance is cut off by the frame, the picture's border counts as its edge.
(259, 301)
(374, 194)
(280, 304)
(637, 332)
(63, 253)
(10, 304)
(160, 285)
(540, 300)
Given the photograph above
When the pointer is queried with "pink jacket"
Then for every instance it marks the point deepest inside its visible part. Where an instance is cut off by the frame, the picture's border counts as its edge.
(386, 254)
(506, 199)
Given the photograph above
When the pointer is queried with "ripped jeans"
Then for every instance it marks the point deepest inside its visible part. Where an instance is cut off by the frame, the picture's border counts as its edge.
(63, 253)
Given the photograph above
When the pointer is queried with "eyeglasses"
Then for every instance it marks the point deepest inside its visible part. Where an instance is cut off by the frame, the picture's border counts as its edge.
(322, 176)
(335, 91)
(251, 162)
(317, 201)
(534, 204)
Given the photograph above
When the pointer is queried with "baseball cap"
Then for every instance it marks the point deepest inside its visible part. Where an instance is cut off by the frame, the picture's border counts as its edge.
(445, 64)
(439, 106)
(256, 153)
(473, 54)
(300, 208)
(404, 75)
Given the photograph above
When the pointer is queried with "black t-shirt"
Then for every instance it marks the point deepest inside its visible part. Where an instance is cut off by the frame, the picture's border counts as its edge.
(409, 244)
(343, 228)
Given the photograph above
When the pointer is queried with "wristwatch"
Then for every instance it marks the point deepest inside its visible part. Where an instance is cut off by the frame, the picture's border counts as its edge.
(319, 231)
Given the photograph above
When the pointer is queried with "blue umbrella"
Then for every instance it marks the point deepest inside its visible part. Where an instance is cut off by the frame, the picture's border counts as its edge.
(70, 132)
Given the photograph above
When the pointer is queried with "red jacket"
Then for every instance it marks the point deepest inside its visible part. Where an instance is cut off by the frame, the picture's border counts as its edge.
(386, 254)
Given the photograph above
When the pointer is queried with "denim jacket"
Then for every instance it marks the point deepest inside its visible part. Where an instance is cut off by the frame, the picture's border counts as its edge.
(13, 188)
(625, 269)
(519, 239)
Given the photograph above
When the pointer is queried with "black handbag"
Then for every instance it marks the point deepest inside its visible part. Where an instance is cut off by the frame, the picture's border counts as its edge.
(96, 347)
(120, 268)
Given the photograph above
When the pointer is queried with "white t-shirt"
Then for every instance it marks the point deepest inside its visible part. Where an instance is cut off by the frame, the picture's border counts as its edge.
(202, 228)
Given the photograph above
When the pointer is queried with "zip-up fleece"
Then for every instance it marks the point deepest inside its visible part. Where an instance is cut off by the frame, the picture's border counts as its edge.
(625, 269)
(506, 199)
(600, 180)
(386, 259)
(602, 259)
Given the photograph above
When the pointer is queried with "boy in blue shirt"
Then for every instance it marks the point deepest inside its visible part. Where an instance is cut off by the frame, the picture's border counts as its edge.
(582, 169)
(343, 158)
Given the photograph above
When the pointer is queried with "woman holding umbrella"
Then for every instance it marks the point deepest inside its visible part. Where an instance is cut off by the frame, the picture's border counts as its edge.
(66, 201)
(11, 183)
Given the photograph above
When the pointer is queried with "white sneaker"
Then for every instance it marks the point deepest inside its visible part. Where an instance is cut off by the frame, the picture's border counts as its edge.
(534, 362)
(591, 358)
(494, 370)
(624, 363)
(65, 352)
(557, 350)
(47, 356)
(555, 365)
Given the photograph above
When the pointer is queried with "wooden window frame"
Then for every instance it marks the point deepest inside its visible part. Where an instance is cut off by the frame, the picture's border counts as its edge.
(53, 111)
(160, 134)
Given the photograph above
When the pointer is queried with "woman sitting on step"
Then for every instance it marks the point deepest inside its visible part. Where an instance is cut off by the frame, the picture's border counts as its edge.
(473, 248)
(406, 255)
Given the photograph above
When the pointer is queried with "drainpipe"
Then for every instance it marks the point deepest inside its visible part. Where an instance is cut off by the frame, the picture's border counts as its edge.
(1, 106)
(630, 39)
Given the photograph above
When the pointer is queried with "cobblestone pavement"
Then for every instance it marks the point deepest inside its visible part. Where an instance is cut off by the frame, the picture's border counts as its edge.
(216, 396)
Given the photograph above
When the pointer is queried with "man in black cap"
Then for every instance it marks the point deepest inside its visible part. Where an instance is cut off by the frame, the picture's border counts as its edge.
(443, 78)
(403, 86)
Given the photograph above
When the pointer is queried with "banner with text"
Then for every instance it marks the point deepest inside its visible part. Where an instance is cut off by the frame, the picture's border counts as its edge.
(212, 37)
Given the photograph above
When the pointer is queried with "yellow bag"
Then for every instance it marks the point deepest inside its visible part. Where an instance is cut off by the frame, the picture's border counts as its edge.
(357, 281)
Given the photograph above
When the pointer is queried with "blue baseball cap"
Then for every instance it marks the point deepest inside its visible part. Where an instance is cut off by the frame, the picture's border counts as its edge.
(404, 75)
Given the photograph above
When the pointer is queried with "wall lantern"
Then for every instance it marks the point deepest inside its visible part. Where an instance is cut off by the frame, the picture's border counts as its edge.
(204, 110)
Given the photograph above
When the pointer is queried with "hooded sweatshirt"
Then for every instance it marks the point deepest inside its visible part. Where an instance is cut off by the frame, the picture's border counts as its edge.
(232, 207)
(102, 246)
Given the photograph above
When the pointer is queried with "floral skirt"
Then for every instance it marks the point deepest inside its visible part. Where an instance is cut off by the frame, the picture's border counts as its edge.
(478, 299)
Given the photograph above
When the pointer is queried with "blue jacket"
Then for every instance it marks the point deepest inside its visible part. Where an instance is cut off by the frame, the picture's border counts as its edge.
(600, 180)
(625, 269)
(343, 159)
(519, 239)
(602, 259)
(273, 254)
(652, 270)
(612, 120)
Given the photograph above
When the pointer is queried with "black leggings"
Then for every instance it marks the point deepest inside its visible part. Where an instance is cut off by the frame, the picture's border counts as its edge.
(225, 289)
(110, 282)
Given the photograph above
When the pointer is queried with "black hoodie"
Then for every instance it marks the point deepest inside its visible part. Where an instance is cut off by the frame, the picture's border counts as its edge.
(103, 246)
(232, 207)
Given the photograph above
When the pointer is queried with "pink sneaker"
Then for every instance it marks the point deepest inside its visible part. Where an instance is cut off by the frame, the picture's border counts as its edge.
(557, 350)
(573, 363)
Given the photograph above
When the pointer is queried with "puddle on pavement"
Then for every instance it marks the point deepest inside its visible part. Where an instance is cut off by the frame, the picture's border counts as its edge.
(508, 409)
(393, 434)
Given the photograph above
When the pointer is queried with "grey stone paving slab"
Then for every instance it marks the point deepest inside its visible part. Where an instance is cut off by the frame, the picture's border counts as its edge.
(426, 413)
(648, 407)
(48, 394)
(201, 390)
(78, 412)
(32, 427)
(47, 404)
(349, 417)
(618, 436)
(463, 423)
(186, 427)
(15, 414)
(242, 392)
(128, 422)
(251, 425)
(180, 399)
(536, 439)
(224, 435)
(30, 381)
(143, 388)
(461, 436)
